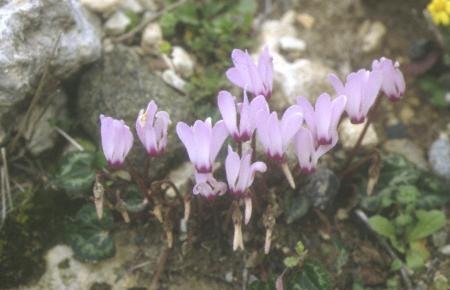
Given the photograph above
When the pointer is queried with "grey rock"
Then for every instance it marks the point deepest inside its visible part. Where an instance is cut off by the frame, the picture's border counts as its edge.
(321, 188)
(119, 85)
(318, 190)
(29, 31)
(439, 157)
(40, 134)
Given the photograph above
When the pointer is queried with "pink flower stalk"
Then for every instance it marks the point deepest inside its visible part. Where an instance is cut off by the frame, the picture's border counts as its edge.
(324, 118)
(228, 109)
(151, 128)
(361, 90)
(393, 84)
(249, 76)
(117, 140)
(309, 150)
(241, 172)
(202, 142)
(275, 135)
(207, 186)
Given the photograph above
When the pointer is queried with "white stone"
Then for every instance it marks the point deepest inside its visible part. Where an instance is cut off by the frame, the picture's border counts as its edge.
(174, 80)
(273, 30)
(181, 177)
(182, 62)
(292, 44)
(349, 134)
(117, 23)
(101, 6)
(301, 78)
(132, 5)
(372, 34)
(151, 37)
(445, 250)
(77, 275)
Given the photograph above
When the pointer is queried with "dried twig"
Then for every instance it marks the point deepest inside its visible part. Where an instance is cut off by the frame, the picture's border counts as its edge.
(70, 139)
(146, 21)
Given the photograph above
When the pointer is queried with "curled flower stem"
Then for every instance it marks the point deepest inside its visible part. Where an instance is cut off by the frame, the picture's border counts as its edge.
(136, 177)
(357, 145)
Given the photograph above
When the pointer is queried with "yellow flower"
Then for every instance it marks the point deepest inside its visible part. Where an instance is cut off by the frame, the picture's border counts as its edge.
(440, 11)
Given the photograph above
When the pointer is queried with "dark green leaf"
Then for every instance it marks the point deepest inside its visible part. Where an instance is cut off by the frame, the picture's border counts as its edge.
(76, 171)
(313, 276)
(89, 236)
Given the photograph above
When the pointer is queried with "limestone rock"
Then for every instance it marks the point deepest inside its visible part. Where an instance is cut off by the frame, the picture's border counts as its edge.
(182, 61)
(30, 31)
(119, 85)
(117, 23)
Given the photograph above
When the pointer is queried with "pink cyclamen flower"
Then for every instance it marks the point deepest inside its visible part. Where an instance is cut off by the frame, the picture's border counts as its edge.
(151, 128)
(228, 109)
(117, 140)
(241, 172)
(361, 90)
(324, 118)
(248, 76)
(393, 84)
(202, 142)
(275, 135)
(309, 151)
(206, 185)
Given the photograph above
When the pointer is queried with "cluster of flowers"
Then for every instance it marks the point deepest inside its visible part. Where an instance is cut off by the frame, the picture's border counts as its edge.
(440, 12)
(313, 129)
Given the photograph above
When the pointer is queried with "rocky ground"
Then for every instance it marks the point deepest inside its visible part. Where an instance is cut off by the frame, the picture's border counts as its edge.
(65, 62)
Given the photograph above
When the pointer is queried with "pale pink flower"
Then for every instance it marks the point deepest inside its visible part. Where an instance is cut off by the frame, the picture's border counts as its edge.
(202, 142)
(324, 118)
(117, 140)
(275, 135)
(229, 110)
(248, 76)
(151, 128)
(393, 84)
(241, 172)
(361, 90)
(206, 185)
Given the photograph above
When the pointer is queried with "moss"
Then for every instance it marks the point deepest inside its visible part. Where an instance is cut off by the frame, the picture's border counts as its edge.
(29, 230)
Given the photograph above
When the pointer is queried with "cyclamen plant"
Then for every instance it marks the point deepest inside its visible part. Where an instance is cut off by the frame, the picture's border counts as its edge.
(312, 128)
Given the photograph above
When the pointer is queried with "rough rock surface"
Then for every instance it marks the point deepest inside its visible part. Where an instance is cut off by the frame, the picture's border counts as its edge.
(321, 188)
(29, 31)
(40, 134)
(119, 85)
(439, 157)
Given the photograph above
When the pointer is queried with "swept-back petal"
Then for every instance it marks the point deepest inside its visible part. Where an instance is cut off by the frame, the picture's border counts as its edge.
(232, 165)
(227, 108)
(219, 134)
